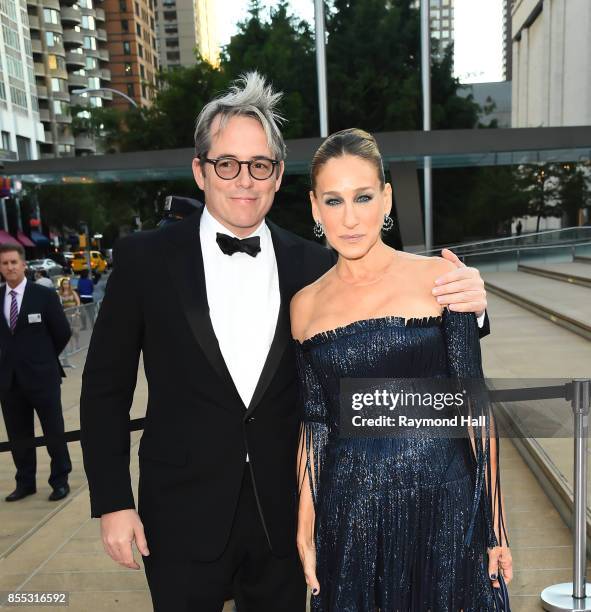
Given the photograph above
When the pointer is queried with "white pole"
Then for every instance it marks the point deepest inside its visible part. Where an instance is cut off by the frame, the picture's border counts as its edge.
(321, 67)
(426, 83)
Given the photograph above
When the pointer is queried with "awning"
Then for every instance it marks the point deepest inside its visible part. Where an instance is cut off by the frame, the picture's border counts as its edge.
(6, 238)
(24, 240)
(38, 238)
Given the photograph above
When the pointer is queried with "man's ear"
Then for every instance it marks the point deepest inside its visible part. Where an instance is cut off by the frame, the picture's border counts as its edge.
(198, 173)
(279, 177)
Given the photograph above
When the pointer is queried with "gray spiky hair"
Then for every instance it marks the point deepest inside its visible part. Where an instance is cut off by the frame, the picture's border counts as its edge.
(249, 96)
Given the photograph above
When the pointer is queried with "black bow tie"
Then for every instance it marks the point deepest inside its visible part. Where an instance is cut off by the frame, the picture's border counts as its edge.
(230, 245)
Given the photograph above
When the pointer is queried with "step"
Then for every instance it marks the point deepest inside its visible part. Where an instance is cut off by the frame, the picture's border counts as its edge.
(575, 273)
(564, 304)
(582, 259)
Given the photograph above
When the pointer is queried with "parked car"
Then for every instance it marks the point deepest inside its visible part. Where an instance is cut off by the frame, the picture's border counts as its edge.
(98, 264)
(51, 267)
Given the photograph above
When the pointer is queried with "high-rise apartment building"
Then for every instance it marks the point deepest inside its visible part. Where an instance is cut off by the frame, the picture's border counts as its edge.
(132, 46)
(441, 13)
(20, 128)
(69, 51)
(182, 27)
(507, 41)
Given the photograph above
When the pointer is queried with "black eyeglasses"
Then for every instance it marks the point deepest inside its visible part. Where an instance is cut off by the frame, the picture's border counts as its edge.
(228, 168)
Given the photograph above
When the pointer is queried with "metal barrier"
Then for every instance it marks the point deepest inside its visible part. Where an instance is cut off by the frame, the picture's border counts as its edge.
(81, 319)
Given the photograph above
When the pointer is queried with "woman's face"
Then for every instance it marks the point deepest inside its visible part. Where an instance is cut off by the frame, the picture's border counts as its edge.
(65, 285)
(350, 203)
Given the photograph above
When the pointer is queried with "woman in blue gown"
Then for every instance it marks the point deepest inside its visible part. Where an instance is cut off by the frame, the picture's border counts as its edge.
(387, 524)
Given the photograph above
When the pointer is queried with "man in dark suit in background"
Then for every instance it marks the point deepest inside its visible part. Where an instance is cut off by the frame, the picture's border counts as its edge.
(33, 332)
(217, 490)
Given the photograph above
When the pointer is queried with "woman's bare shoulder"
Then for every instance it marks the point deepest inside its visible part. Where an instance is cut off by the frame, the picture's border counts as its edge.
(303, 303)
(429, 267)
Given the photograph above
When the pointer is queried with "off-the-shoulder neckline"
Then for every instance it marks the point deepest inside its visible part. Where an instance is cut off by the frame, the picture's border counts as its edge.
(363, 324)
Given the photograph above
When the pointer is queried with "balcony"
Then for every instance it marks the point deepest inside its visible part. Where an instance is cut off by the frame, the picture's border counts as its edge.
(75, 59)
(66, 139)
(33, 22)
(100, 14)
(76, 100)
(85, 143)
(63, 118)
(77, 80)
(39, 69)
(54, 4)
(44, 114)
(36, 46)
(48, 138)
(71, 15)
(103, 55)
(73, 38)
(101, 34)
(42, 92)
(64, 96)
(105, 74)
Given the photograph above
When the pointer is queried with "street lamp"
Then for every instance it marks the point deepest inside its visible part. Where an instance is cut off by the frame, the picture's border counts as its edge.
(115, 91)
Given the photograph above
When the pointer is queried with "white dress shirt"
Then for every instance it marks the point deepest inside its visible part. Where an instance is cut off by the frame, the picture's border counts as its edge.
(243, 297)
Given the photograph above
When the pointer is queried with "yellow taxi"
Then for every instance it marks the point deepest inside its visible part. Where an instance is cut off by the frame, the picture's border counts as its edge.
(98, 263)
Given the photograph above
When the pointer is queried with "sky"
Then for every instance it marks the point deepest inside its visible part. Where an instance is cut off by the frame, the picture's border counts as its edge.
(478, 33)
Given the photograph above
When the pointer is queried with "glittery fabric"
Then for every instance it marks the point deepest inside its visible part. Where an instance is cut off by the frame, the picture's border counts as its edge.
(401, 523)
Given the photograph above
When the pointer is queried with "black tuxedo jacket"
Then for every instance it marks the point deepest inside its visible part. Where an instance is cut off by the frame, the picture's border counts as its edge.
(31, 353)
(197, 429)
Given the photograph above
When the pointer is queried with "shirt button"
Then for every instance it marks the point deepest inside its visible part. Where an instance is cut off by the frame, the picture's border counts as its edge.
(250, 419)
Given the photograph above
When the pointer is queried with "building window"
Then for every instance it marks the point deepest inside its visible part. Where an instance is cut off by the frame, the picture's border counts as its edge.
(52, 39)
(126, 47)
(18, 96)
(8, 6)
(171, 29)
(23, 147)
(125, 25)
(152, 23)
(138, 29)
(6, 141)
(15, 68)
(128, 68)
(91, 63)
(60, 108)
(170, 15)
(94, 82)
(122, 6)
(88, 22)
(10, 37)
(137, 9)
(50, 16)
(85, 3)
(90, 42)
(172, 42)
(56, 84)
(142, 72)
(140, 50)
(130, 91)
(173, 56)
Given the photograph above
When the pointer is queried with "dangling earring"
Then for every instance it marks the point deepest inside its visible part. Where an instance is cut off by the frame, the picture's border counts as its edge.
(318, 230)
(388, 223)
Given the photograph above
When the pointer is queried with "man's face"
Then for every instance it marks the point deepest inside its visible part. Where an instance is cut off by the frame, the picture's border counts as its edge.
(240, 204)
(12, 267)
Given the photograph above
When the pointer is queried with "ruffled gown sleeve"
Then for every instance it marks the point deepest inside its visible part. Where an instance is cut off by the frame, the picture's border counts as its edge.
(314, 423)
(464, 359)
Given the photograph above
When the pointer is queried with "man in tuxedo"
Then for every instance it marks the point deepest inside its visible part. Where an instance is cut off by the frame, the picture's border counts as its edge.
(217, 490)
(33, 332)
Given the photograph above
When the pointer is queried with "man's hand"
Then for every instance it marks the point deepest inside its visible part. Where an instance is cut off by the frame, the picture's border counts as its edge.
(461, 289)
(118, 530)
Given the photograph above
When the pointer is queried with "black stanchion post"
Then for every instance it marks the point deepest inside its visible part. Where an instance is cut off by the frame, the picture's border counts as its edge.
(572, 596)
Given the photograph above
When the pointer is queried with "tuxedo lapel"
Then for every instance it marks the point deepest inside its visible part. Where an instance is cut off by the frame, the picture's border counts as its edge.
(284, 249)
(186, 270)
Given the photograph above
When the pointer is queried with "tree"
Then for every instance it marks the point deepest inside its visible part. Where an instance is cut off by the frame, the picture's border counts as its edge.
(573, 193)
(540, 184)
(282, 49)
